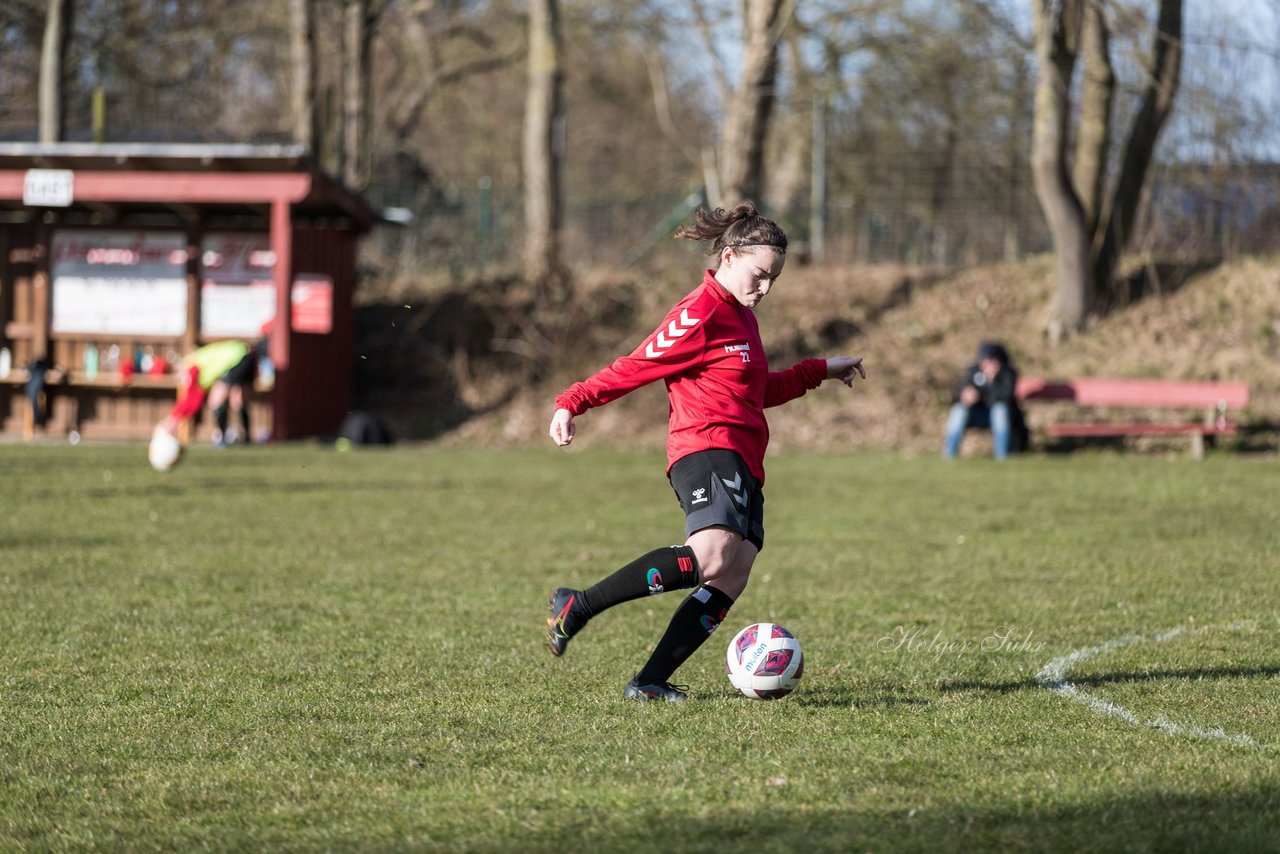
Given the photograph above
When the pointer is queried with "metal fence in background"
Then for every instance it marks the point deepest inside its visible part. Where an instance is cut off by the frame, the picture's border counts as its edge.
(466, 223)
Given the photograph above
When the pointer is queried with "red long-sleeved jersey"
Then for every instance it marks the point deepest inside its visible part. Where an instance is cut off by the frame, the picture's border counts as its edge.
(708, 351)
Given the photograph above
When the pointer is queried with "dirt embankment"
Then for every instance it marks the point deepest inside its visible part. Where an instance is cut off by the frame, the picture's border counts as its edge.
(477, 365)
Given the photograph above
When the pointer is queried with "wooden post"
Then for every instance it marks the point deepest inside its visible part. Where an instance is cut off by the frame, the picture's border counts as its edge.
(99, 115)
(282, 327)
(40, 294)
(6, 291)
(195, 267)
(28, 420)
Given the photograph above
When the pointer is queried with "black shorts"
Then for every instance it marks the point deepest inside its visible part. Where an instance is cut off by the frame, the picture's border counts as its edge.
(716, 490)
(243, 372)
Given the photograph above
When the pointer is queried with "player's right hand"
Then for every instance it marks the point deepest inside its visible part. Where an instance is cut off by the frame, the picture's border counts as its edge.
(562, 429)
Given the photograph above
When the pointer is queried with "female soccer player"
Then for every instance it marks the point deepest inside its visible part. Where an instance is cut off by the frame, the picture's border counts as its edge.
(708, 352)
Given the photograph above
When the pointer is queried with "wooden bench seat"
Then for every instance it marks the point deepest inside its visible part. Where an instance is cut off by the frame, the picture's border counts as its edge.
(1213, 401)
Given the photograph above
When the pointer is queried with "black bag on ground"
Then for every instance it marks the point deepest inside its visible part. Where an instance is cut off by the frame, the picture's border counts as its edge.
(365, 428)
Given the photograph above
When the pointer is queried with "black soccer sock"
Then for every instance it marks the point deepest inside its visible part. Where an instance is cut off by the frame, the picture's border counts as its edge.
(700, 614)
(670, 568)
(220, 418)
(244, 422)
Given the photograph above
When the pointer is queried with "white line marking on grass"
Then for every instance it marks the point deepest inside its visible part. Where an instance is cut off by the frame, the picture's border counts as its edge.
(1054, 676)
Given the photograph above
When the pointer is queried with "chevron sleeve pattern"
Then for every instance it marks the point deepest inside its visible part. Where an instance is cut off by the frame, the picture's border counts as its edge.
(794, 381)
(676, 345)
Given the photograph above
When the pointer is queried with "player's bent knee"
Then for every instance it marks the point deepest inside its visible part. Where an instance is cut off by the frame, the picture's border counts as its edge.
(716, 550)
(729, 573)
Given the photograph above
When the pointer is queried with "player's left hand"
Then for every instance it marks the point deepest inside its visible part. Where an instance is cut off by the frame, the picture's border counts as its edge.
(562, 429)
(845, 369)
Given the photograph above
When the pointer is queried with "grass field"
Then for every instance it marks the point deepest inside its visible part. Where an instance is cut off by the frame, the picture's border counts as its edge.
(289, 648)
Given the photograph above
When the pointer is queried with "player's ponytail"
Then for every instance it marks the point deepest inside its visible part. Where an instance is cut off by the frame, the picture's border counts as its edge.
(741, 227)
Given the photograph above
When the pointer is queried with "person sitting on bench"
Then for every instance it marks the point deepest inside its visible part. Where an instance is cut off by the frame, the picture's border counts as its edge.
(986, 399)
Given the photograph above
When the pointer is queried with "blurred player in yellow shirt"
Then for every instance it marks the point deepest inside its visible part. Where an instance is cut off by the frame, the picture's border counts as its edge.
(222, 374)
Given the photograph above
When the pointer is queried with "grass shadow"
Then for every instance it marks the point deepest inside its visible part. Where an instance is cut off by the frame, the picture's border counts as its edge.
(1192, 674)
(223, 486)
(846, 697)
(52, 539)
(1195, 674)
(1155, 819)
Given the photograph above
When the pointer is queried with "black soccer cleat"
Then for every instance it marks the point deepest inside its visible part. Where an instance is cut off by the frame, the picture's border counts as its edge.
(655, 691)
(562, 624)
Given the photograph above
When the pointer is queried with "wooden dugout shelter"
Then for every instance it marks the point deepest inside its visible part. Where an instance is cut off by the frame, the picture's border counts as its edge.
(144, 252)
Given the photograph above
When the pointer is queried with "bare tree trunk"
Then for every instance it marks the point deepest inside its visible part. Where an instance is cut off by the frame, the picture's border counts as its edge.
(302, 57)
(1093, 134)
(711, 176)
(940, 196)
(57, 38)
(543, 144)
(1013, 210)
(747, 124)
(1057, 42)
(818, 181)
(1157, 103)
(355, 92)
(1090, 231)
(823, 85)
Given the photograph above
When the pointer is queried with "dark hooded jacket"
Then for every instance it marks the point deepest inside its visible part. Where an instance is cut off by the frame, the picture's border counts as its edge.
(1001, 389)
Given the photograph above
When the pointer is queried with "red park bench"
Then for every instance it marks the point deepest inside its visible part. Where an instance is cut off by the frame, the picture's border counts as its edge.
(1213, 399)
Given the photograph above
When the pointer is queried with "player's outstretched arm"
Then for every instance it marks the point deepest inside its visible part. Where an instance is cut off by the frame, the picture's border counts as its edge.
(562, 429)
(845, 369)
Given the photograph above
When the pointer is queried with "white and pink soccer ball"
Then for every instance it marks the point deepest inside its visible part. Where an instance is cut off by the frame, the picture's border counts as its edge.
(764, 661)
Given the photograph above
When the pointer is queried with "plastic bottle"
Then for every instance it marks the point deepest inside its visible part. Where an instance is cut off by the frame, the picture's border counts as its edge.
(91, 361)
(6, 362)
